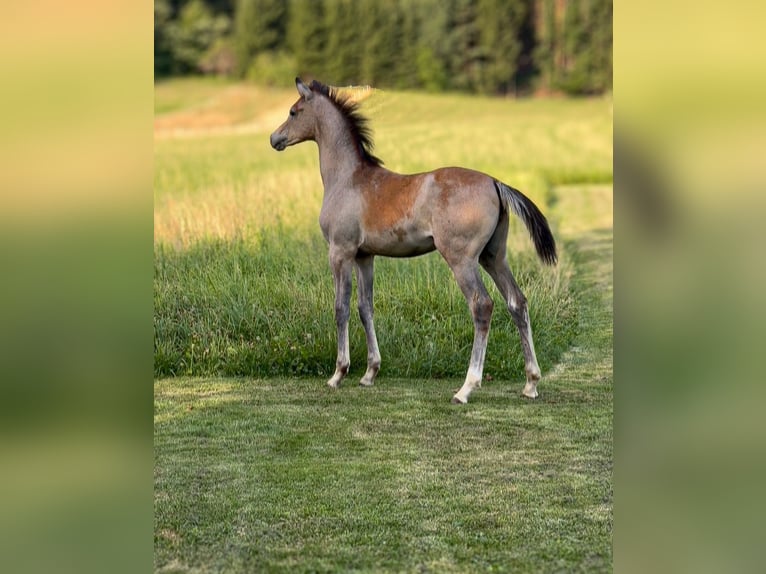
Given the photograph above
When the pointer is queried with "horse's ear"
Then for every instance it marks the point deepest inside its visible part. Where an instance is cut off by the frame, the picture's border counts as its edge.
(303, 89)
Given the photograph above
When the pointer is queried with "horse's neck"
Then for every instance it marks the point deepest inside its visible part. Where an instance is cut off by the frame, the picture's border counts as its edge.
(338, 155)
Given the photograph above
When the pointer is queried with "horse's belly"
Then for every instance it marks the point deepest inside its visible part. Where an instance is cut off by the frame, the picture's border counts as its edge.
(398, 242)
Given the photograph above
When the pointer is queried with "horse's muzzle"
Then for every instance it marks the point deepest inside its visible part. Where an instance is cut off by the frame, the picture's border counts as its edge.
(278, 141)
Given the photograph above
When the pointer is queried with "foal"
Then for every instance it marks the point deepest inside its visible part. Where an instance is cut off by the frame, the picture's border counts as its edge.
(368, 210)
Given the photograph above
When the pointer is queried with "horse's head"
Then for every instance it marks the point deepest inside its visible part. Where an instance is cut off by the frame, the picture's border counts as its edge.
(301, 124)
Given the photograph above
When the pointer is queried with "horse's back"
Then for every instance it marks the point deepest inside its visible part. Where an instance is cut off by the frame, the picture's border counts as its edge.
(460, 186)
(390, 197)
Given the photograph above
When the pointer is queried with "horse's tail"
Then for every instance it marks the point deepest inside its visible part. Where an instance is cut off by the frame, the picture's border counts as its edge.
(533, 218)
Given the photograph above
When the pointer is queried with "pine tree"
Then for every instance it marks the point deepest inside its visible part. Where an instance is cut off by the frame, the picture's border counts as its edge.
(487, 46)
(545, 52)
(600, 70)
(499, 45)
(381, 41)
(163, 54)
(259, 26)
(587, 47)
(527, 71)
(307, 37)
(574, 47)
(464, 61)
(432, 47)
(406, 68)
(193, 33)
(344, 47)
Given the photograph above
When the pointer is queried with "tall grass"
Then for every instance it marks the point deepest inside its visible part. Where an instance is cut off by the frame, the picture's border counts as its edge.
(265, 308)
(242, 285)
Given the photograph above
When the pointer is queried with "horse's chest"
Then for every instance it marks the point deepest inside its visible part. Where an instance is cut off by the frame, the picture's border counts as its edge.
(339, 223)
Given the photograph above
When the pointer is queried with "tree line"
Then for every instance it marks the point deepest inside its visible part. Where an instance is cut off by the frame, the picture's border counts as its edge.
(478, 46)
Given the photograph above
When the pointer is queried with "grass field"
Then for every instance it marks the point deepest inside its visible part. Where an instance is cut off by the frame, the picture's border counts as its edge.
(259, 467)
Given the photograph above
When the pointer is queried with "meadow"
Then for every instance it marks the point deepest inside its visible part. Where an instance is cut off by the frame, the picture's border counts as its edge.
(259, 467)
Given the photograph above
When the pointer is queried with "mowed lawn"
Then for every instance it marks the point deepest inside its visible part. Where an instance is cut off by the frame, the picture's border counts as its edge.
(269, 474)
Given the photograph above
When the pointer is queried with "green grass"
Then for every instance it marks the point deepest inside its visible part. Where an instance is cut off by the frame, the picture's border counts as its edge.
(268, 470)
(234, 308)
(285, 475)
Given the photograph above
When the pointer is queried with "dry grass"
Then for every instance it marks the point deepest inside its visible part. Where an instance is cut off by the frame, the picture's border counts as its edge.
(216, 177)
(217, 109)
(227, 212)
(213, 108)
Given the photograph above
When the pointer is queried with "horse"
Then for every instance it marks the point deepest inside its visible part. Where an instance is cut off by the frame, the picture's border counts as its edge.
(368, 210)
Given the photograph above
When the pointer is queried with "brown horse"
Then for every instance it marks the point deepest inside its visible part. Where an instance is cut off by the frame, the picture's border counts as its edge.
(368, 210)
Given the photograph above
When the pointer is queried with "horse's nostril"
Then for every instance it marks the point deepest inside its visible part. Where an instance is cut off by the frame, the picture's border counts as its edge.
(278, 142)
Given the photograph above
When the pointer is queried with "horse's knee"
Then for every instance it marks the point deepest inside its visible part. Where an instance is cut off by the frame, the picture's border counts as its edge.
(341, 313)
(365, 314)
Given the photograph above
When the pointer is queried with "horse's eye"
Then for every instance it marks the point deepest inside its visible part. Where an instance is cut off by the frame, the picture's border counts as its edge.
(292, 113)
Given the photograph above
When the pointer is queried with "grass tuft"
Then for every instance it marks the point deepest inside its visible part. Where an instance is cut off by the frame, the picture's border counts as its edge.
(264, 308)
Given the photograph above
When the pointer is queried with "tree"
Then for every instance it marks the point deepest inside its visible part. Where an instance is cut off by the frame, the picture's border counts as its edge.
(487, 46)
(499, 44)
(306, 36)
(527, 70)
(163, 55)
(192, 34)
(464, 61)
(432, 43)
(406, 64)
(259, 26)
(220, 59)
(343, 49)
(381, 49)
(574, 46)
(545, 51)
(600, 70)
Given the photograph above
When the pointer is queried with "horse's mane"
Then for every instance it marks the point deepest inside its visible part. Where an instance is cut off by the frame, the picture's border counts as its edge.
(357, 123)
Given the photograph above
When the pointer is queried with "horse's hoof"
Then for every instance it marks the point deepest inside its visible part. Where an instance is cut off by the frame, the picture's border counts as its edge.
(366, 383)
(530, 394)
(333, 384)
(457, 401)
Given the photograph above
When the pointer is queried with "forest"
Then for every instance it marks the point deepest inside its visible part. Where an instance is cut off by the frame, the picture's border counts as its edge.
(490, 47)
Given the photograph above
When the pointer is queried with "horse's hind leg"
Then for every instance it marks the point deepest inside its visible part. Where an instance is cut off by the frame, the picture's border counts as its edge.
(480, 303)
(364, 281)
(493, 259)
(517, 305)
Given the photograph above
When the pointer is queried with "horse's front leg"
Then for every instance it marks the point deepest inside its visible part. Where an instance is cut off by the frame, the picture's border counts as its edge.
(341, 272)
(364, 282)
